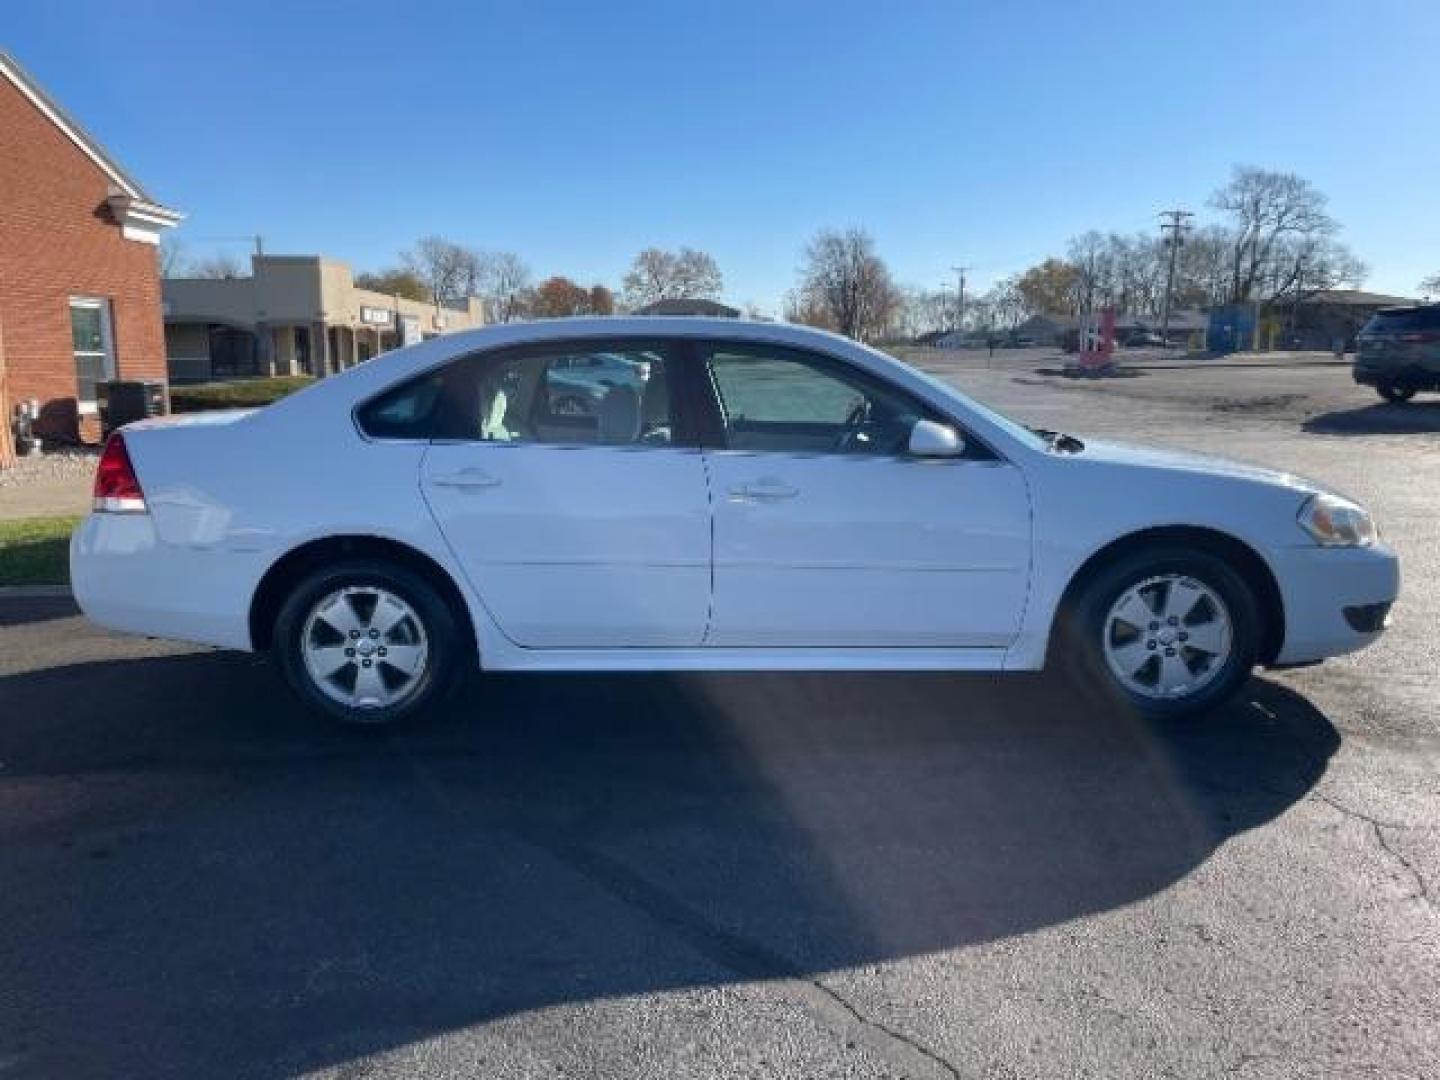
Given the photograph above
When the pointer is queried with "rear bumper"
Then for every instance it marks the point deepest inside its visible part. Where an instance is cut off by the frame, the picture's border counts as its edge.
(1337, 600)
(1392, 374)
(125, 578)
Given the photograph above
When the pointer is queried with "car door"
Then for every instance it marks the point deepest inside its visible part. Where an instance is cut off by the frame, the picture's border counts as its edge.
(565, 491)
(828, 533)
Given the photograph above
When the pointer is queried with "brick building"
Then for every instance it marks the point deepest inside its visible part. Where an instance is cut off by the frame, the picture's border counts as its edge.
(79, 278)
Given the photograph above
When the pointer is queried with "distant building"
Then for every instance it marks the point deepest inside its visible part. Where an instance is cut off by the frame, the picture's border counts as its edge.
(79, 280)
(294, 315)
(709, 309)
(1063, 331)
(1325, 316)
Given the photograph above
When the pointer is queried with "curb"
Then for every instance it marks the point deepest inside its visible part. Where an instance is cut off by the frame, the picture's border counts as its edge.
(35, 592)
(1205, 364)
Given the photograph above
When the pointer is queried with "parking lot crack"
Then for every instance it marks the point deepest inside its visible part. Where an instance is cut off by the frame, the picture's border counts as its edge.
(742, 957)
(1422, 888)
(1377, 828)
(885, 1031)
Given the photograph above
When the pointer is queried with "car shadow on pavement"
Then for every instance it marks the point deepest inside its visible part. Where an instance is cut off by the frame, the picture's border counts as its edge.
(202, 880)
(36, 609)
(1382, 418)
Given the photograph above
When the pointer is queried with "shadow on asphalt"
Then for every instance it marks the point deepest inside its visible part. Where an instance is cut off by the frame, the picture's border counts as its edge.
(37, 609)
(201, 880)
(1413, 418)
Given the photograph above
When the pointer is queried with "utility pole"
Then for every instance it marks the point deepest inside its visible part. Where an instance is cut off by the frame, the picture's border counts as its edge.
(1174, 224)
(960, 298)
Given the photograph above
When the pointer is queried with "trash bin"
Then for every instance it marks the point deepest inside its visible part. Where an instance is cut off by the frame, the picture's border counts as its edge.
(125, 400)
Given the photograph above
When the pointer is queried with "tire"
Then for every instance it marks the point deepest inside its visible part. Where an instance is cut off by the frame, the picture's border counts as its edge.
(1216, 607)
(392, 621)
(1396, 395)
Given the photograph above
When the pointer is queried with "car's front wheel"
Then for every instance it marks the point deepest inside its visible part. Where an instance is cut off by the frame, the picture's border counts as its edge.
(368, 643)
(1394, 393)
(1168, 632)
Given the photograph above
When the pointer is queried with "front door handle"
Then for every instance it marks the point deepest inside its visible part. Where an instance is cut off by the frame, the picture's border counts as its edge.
(765, 490)
(466, 478)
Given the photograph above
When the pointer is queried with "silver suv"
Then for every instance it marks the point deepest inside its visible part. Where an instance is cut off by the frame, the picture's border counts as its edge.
(1398, 351)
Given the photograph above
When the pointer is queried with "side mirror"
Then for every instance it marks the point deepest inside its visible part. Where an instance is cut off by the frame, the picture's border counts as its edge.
(931, 440)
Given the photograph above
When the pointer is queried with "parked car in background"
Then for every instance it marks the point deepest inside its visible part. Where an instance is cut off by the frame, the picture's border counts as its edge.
(1398, 351)
(766, 497)
(1144, 339)
(577, 384)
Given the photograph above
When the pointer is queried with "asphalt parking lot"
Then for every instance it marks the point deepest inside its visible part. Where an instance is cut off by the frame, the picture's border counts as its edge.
(750, 875)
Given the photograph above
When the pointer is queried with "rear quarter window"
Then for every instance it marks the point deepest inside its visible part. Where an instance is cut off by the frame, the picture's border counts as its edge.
(408, 411)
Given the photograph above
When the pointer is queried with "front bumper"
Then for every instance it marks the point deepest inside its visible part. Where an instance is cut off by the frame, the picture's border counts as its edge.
(1337, 600)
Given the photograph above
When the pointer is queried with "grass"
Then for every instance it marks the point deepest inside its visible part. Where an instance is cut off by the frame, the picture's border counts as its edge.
(36, 551)
(240, 394)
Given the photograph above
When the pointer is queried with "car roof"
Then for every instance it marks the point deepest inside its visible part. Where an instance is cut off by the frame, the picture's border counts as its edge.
(412, 360)
(350, 387)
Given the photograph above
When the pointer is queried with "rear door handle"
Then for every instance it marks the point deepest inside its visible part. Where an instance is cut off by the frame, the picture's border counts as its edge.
(764, 491)
(466, 478)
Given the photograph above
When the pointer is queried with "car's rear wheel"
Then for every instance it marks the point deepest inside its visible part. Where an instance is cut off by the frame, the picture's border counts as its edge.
(1394, 393)
(368, 643)
(1167, 632)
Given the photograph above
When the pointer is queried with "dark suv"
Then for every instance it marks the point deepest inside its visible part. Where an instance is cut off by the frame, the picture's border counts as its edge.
(1398, 351)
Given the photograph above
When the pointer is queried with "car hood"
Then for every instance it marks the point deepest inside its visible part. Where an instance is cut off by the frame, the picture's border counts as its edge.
(1153, 457)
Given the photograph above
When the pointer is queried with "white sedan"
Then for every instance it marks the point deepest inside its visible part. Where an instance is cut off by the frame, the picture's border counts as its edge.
(750, 496)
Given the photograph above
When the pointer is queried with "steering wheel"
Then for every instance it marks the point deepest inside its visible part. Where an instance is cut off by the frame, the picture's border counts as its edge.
(855, 421)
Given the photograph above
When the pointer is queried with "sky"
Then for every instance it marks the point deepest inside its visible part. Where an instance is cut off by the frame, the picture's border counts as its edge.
(577, 133)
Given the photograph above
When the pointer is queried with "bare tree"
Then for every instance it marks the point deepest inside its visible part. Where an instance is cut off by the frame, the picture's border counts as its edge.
(170, 253)
(504, 281)
(221, 266)
(1006, 303)
(449, 270)
(845, 281)
(1266, 209)
(666, 275)
(922, 311)
(1430, 286)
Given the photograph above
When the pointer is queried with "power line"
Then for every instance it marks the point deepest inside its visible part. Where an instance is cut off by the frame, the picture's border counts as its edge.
(960, 297)
(1174, 223)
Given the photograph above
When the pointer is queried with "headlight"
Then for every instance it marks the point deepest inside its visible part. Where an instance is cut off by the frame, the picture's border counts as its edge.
(1336, 522)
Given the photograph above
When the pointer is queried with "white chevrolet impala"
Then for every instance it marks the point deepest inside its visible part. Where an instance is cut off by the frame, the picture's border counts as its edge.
(663, 494)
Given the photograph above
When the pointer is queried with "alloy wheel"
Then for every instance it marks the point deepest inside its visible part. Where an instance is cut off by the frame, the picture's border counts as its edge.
(365, 647)
(1167, 637)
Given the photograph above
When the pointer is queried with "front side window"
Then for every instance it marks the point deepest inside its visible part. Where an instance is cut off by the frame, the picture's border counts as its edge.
(788, 401)
(93, 346)
(553, 395)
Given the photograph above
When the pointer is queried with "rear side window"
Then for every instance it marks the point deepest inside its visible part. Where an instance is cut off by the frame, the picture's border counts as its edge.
(1407, 319)
(410, 411)
(609, 394)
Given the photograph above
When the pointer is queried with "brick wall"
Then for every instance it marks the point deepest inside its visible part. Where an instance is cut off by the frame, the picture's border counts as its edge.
(57, 240)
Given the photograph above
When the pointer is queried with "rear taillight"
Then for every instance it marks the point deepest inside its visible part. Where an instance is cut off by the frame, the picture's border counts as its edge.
(117, 488)
(1420, 338)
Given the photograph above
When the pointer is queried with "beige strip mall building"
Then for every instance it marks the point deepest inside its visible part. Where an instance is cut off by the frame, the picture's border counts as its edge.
(294, 315)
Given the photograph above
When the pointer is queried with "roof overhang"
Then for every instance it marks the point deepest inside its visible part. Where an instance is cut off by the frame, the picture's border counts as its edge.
(140, 219)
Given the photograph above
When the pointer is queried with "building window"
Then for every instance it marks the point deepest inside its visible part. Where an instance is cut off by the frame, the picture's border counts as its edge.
(302, 350)
(232, 353)
(94, 347)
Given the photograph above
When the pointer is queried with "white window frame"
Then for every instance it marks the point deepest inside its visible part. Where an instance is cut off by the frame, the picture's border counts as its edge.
(107, 341)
